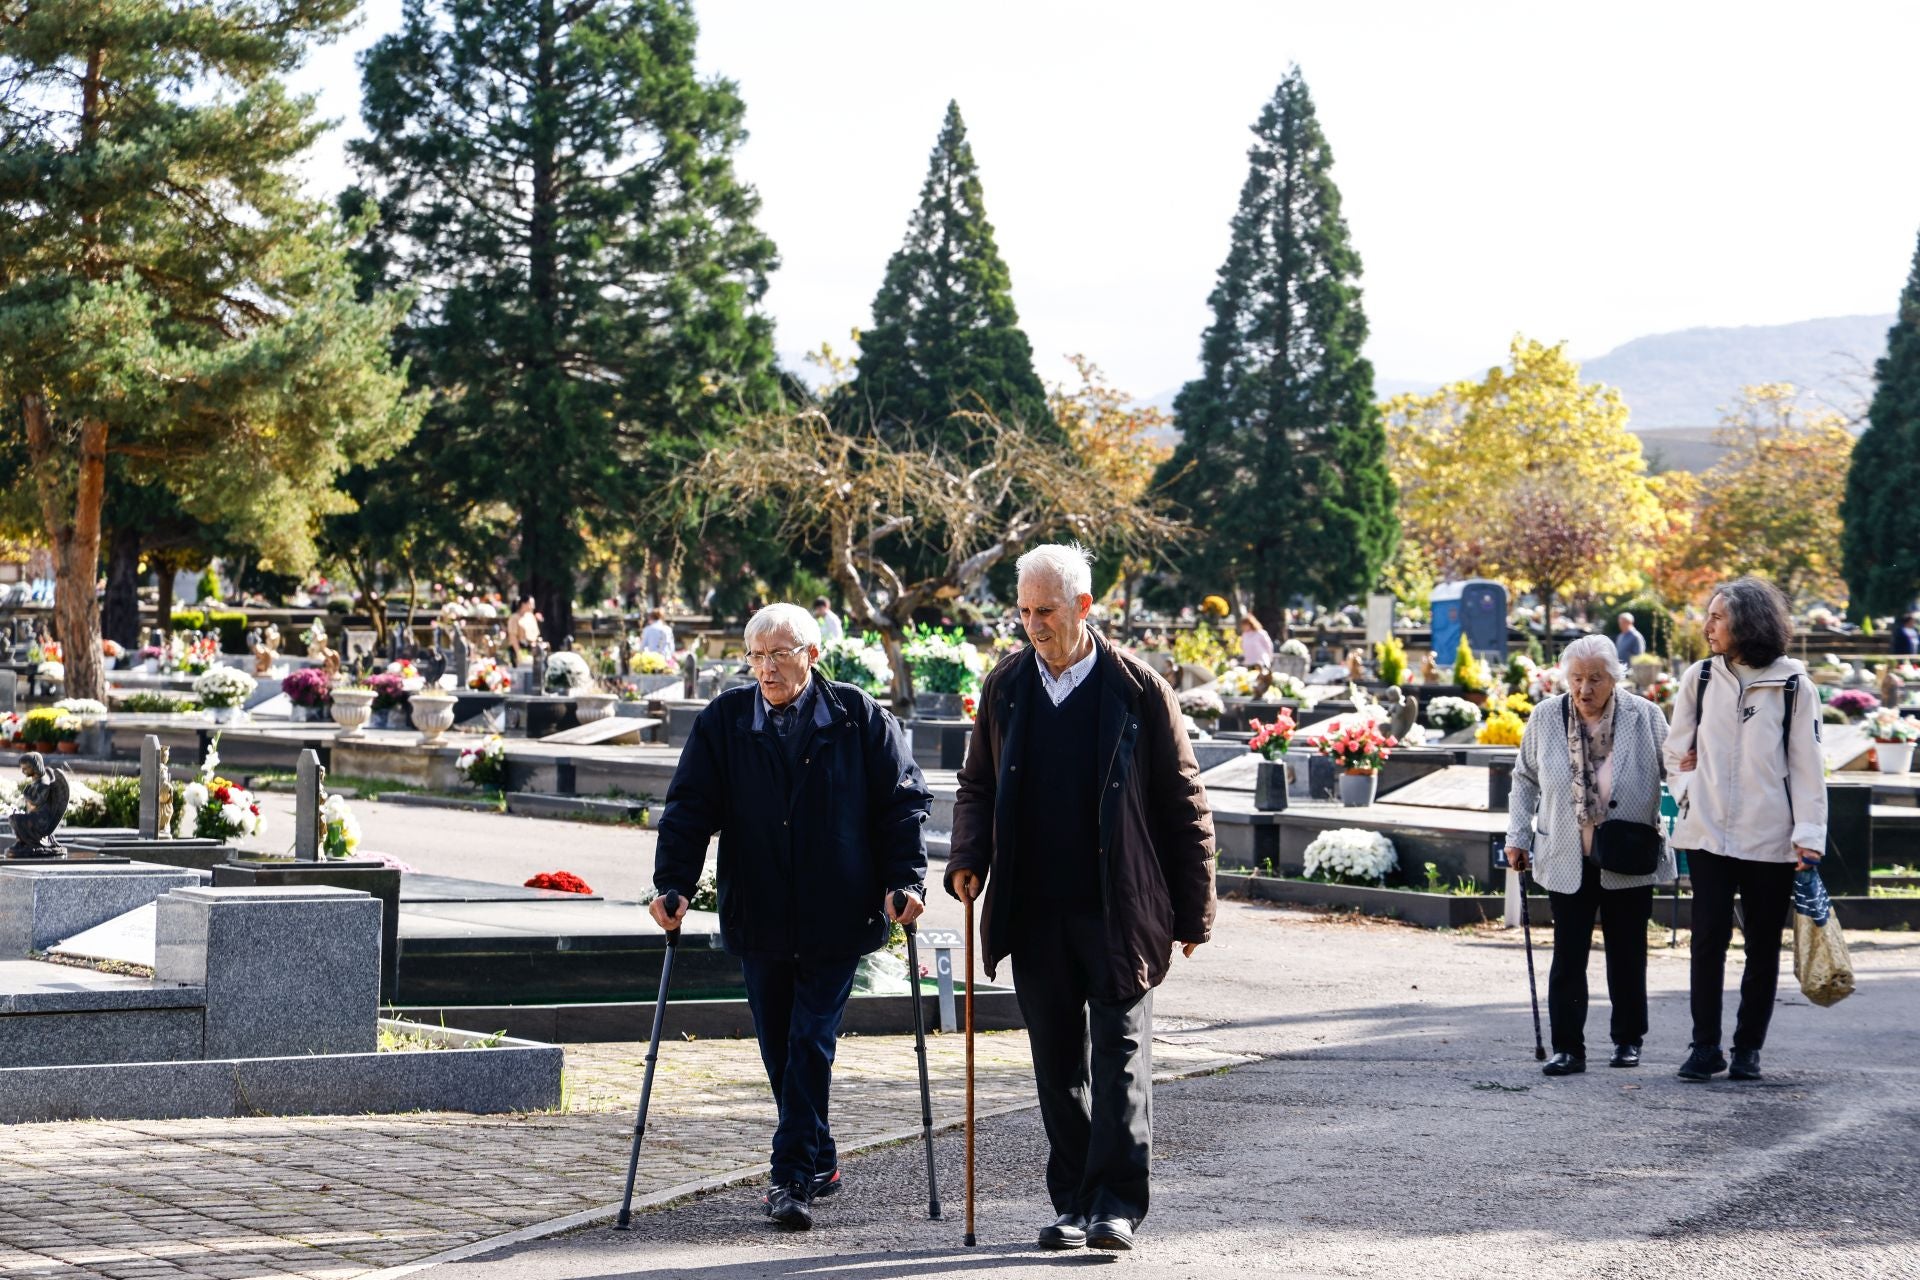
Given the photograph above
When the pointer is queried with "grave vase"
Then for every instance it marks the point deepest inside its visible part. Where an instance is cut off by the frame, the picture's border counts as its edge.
(1357, 787)
(1270, 785)
(1894, 757)
(432, 715)
(589, 707)
(223, 715)
(352, 708)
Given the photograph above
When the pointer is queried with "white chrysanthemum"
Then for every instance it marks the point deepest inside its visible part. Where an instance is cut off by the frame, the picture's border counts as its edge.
(1351, 852)
(195, 794)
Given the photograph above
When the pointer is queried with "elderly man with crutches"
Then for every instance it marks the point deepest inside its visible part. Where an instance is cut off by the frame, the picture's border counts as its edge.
(820, 810)
(1081, 815)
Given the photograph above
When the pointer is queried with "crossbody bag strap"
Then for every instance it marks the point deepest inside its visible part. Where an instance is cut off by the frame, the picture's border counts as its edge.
(1786, 736)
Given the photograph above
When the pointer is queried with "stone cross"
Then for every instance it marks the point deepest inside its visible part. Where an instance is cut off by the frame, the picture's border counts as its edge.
(308, 825)
(152, 778)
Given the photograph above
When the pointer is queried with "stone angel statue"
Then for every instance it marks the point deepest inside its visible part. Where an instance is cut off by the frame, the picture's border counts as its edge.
(43, 799)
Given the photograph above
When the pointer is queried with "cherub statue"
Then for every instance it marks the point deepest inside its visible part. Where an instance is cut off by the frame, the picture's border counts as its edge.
(329, 660)
(44, 803)
(1356, 668)
(262, 659)
(1429, 668)
(272, 638)
(163, 801)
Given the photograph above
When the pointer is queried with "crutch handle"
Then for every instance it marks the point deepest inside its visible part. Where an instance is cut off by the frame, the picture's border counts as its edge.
(671, 900)
(899, 906)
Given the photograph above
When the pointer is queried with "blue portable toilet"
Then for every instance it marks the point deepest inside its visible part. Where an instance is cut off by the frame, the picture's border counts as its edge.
(1476, 606)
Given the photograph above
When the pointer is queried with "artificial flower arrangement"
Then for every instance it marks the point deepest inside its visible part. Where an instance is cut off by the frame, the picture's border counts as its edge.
(1661, 691)
(485, 765)
(1502, 729)
(646, 662)
(340, 830)
(51, 672)
(410, 678)
(489, 676)
(307, 687)
(858, 660)
(1352, 854)
(1518, 704)
(559, 882)
(567, 672)
(1291, 688)
(389, 691)
(1888, 725)
(1272, 739)
(222, 809)
(1907, 672)
(1854, 702)
(201, 654)
(1357, 746)
(1202, 703)
(218, 687)
(1450, 715)
(112, 649)
(10, 726)
(1545, 682)
(1294, 648)
(86, 710)
(1236, 682)
(969, 706)
(941, 661)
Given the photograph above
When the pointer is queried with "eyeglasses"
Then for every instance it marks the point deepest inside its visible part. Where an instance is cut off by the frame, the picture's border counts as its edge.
(779, 657)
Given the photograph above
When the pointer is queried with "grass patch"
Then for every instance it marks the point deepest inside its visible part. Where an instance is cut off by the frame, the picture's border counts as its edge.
(392, 1041)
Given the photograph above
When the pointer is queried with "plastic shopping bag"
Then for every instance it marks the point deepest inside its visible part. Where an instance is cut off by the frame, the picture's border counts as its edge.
(1820, 961)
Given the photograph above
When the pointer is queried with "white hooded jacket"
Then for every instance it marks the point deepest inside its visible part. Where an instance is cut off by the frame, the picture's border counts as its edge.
(1753, 793)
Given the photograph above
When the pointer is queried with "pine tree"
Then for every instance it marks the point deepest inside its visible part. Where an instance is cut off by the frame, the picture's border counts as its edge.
(559, 184)
(1282, 458)
(168, 298)
(945, 335)
(1880, 536)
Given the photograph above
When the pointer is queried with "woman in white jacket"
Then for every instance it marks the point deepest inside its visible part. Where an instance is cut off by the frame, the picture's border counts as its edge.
(1744, 754)
(1590, 755)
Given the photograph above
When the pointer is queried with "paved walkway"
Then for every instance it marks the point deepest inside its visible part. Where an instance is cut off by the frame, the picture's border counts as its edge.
(345, 1196)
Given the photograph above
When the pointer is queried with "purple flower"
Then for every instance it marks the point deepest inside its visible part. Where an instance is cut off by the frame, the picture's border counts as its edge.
(1854, 702)
(307, 687)
(389, 691)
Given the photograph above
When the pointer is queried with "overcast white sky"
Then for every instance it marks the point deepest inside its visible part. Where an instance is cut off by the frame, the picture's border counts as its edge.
(1588, 172)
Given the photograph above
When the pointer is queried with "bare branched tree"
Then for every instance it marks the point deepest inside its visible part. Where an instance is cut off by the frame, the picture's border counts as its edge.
(866, 500)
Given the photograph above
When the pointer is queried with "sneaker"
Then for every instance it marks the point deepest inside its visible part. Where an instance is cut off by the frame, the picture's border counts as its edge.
(1703, 1063)
(787, 1206)
(824, 1185)
(1746, 1065)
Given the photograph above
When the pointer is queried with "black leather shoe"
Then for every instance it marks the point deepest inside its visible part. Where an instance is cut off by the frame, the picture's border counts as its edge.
(1564, 1064)
(787, 1206)
(1703, 1063)
(1111, 1233)
(1746, 1065)
(1068, 1231)
(1625, 1055)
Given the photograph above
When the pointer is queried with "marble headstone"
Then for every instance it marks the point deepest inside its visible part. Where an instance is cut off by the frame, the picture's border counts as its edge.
(307, 823)
(150, 784)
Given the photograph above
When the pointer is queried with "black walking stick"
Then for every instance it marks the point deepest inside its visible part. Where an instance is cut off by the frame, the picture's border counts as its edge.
(920, 1050)
(1533, 985)
(671, 900)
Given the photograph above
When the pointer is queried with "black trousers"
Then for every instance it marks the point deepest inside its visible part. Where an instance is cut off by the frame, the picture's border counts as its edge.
(1093, 1065)
(1766, 896)
(1623, 914)
(797, 1005)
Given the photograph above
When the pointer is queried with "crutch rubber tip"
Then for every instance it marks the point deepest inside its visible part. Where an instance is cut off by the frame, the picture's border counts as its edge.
(968, 1240)
(1539, 1054)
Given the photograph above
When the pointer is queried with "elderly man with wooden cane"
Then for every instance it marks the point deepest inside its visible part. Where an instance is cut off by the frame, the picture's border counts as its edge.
(1081, 815)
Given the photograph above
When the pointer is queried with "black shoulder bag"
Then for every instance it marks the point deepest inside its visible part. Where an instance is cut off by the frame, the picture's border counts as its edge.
(1620, 846)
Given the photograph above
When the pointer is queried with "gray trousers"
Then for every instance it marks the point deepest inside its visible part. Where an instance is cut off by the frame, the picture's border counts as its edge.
(1093, 1064)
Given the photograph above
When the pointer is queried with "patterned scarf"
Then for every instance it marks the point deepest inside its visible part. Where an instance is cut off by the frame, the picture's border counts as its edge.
(1587, 748)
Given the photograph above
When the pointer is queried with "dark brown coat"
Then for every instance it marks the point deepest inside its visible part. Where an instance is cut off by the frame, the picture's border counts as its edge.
(1156, 832)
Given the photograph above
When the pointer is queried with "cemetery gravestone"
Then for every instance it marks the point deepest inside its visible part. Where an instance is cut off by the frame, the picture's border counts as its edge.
(152, 764)
(308, 824)
(9, 691)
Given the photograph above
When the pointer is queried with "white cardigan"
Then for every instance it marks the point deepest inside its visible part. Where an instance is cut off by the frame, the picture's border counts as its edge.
(1540, 810)
(1751, 795)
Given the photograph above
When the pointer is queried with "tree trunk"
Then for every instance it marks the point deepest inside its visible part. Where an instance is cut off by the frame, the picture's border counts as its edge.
(75, 531)
(163, 603)
(120, 616)
(1546, 622)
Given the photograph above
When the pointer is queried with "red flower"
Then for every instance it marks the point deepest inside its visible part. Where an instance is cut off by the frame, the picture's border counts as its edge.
(559, 881)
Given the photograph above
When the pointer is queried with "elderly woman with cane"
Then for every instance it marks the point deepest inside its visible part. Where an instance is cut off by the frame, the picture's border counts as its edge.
(1583, 818)
(1753, 809)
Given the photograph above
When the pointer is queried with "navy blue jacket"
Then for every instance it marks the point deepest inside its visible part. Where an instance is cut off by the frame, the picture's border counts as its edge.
(807, 855)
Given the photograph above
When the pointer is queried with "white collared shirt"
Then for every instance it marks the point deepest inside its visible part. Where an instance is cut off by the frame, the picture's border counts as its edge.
(1070, 679)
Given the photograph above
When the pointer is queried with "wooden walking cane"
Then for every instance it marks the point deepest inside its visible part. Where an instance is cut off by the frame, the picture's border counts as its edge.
(969, 1238)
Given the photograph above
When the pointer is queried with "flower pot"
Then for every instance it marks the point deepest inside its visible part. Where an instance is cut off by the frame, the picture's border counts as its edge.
(150, 665)
(432, 715)
(1270, 785)
(67, 748)
(1358, 786)
(1895, 757)
(1478, 697)
(223, 715)
(352, 708)
(588, 707)
(44, 748)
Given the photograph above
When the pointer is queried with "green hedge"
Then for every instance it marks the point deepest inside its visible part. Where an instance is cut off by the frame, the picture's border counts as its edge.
(230, 623)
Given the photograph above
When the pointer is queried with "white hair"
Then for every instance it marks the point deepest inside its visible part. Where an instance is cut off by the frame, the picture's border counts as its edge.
(1068, 563)
(789, 620)
(1594, 648)
(1626, 618)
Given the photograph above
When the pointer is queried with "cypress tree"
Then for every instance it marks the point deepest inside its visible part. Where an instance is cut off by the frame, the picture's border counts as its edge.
(1880, 534)
(945, 334)
(558, 182)
(1282, 449)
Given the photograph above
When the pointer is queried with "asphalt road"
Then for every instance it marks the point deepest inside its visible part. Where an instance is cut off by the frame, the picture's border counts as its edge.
(1395, 1123)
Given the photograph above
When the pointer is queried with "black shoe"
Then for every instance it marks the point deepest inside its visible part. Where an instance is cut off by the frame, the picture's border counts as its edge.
(787, 1206)
(1068, 1231)
(824, 1185)
(1564, 1064)
(1703, 1063)
(1111, 1233)
(1746, 1065)
(1625, 1055)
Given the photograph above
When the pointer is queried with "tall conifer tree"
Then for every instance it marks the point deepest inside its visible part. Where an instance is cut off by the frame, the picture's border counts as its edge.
(169, 301)
(559, 183)
(945, 334)
(1880, 538)
(1282, 449)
